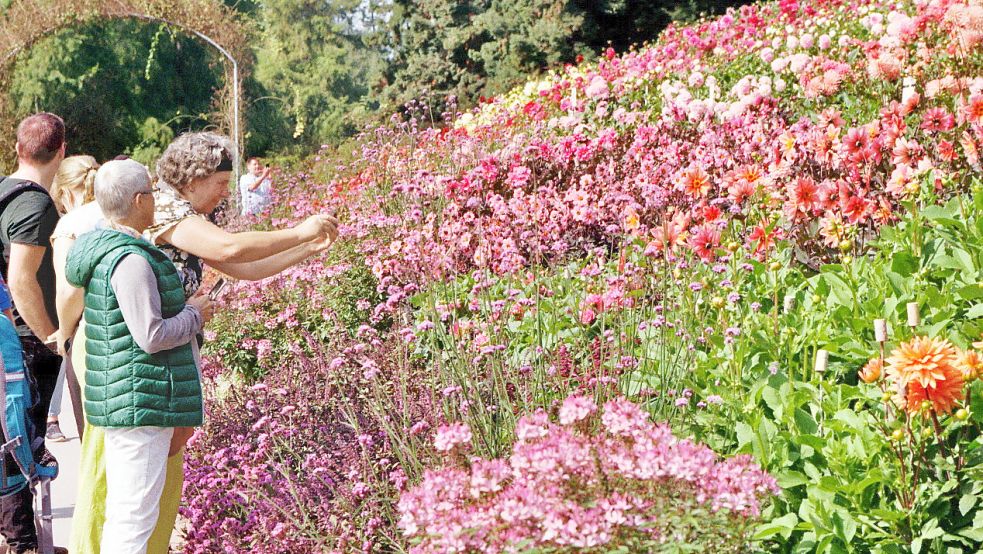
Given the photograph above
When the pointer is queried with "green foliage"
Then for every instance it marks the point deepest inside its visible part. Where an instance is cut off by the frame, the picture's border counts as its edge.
(848, 486)
(468, 48)
(316, 62)
(323, 69)
(122, 86)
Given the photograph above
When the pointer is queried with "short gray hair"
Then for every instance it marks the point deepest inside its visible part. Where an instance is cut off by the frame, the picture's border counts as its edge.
(193, 156)
(117, 184)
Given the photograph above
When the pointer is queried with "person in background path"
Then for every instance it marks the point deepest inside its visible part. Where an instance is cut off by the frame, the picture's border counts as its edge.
(194, 175)
(27, 220)
(127, 280)
(71, 189)
(255, 187)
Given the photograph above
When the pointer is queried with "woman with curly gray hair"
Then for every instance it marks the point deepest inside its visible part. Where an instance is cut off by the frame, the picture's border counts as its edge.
(193, 178)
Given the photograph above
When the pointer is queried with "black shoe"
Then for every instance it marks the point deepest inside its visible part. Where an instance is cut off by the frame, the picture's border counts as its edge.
(54, 433)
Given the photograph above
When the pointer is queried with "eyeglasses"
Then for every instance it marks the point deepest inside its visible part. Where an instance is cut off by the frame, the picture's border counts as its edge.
(142, 192)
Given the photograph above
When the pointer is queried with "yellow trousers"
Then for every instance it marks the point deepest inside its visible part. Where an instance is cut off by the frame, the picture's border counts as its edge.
(90, 502)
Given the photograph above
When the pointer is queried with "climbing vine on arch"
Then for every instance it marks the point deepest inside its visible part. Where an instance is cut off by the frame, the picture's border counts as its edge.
(26, 22)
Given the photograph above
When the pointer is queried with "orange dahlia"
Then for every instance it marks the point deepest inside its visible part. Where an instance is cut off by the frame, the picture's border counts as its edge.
(871, 372)
(927, 369)
(971, 364)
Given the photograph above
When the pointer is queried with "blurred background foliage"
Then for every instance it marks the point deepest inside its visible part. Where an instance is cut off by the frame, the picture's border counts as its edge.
(324, 69)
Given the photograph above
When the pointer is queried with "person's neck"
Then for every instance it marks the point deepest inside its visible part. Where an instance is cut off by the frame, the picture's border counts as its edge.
(43, 175)
(125, 225)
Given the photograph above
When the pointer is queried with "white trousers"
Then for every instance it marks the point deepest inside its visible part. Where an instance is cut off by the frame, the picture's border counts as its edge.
(136, 466)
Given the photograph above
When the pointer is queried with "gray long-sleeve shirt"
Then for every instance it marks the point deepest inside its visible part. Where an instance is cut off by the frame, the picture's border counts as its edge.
(136, 290)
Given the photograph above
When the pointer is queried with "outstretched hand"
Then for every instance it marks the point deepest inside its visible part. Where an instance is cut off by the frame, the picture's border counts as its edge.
(318, 227)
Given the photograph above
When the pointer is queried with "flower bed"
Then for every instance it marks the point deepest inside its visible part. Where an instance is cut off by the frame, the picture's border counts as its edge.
(686, 225)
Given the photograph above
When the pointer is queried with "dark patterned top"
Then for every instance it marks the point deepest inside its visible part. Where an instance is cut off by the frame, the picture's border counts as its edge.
(171, 209)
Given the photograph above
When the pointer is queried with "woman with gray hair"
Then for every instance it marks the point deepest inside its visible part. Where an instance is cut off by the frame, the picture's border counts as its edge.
(194, 174)
(193, 178)
(142, 377)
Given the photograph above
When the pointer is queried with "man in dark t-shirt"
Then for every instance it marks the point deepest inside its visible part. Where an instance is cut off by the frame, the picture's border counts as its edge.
(26, 222)
(29, 219)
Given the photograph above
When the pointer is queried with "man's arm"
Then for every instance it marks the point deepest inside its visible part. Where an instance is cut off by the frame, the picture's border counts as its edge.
(259, 180)
(25, 260)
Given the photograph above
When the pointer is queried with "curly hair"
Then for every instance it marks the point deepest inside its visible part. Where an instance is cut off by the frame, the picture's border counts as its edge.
(193, 156)
(73, 183)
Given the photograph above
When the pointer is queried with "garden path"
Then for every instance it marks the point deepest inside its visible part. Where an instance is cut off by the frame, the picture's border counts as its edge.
(64, 487)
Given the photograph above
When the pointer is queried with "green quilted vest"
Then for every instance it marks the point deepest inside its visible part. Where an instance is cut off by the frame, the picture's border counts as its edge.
(124, 385)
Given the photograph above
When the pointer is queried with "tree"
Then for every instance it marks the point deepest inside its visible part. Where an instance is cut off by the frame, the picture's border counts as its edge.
(525, 37)
(432, 41)
(317, 60)
(469, 48)
(121, 86)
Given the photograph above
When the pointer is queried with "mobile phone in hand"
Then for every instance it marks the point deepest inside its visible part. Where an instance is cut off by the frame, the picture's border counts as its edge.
(217, 288)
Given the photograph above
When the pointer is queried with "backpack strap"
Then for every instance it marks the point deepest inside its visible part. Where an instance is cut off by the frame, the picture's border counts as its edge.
(7, 196)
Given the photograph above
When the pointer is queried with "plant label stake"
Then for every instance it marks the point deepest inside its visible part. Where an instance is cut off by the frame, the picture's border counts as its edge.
(914, 318)
(880, 335)
(822, 359)
(788, 304)
(880, 331)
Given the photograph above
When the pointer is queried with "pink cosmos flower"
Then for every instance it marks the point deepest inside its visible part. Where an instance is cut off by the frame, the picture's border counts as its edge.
(519, 176)
(704, 241)
(973, 111)
(936, 120)
(598, 88)
(803, 196)
(695, 182)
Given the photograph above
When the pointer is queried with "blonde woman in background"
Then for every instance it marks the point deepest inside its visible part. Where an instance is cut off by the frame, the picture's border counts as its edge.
(70, 190)
(73, 183)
